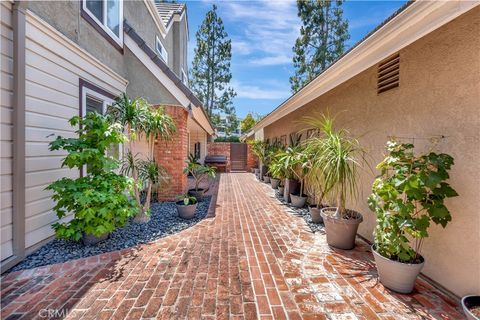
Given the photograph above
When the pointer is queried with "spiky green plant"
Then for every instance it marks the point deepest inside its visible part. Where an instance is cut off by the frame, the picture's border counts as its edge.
(336, 157)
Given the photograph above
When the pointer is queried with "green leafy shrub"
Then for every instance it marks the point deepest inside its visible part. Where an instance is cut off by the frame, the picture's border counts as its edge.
(407, 196)
(227, 139)
(98, 200)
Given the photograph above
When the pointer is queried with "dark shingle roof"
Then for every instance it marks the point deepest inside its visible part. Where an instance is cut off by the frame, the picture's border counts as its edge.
(167, 10)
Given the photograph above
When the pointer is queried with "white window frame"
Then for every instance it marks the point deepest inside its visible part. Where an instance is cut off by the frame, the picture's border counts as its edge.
(106, 101)
(103, 24)
(164, 53)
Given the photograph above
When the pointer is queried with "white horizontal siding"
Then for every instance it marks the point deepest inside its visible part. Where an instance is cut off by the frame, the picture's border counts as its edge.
(54, 66)
(6, 145)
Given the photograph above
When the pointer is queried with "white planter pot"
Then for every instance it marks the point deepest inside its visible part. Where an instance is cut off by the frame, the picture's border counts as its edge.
(397, 276)
(298, 201)
(341, 233)
(469, 302)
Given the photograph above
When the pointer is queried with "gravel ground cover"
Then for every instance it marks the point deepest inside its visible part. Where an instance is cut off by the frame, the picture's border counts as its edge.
(164, 221)
(302, 212)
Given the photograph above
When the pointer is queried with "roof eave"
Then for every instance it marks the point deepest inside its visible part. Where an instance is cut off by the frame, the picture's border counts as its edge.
(394, 34)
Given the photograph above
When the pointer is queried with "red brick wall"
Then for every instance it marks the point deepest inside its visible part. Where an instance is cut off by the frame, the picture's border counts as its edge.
(172, 154)
(220, 149)
(223, 149)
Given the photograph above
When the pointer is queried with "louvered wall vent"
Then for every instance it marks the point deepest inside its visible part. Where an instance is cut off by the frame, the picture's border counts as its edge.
(388, 74)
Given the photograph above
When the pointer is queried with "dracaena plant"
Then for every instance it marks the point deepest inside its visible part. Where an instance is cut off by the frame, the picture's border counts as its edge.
(296, 163)
(336, 156)
(142, 121)
(99, 200)
(407, 198)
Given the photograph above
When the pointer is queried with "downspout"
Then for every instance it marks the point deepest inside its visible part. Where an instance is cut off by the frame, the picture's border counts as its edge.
(18, 134)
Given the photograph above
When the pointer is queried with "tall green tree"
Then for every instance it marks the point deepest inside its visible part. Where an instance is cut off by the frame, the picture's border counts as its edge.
(322, 39)
(247, 123)
(211, 67)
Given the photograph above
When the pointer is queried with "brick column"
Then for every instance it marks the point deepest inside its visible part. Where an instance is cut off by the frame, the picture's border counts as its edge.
(172, 154)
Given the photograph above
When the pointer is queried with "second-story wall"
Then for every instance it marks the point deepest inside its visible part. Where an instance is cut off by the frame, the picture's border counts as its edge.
(65, 16)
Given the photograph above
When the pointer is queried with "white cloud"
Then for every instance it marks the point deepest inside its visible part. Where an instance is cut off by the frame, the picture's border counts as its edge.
(268, 32)
(271, 60)
(266, 90)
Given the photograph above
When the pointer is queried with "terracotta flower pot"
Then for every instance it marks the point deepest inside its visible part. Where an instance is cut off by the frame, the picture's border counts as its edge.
(199, 193)
(395, 275)
(297, 200)
(90, 239)
(315, 214)
(186, 212)
(266, 179)
(274, 182)
(469, 302)
(341, 232)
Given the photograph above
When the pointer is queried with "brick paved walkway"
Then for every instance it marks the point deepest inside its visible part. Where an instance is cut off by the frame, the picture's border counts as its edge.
(253, 260)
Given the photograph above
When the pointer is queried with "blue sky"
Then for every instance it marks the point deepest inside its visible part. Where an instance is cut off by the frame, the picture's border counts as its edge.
(263, 34)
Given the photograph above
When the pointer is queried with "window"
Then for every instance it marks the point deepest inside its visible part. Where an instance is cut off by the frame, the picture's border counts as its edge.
(108, 15)
(161, 51)
(197, 150)
(94, 101)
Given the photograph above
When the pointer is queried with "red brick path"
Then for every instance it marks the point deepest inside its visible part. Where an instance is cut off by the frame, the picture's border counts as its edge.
(253, 260)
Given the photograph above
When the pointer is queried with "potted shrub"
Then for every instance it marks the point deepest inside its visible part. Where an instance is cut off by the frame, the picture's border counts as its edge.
(186, 206)
(291, 185)
(259, 149)
(99, 200)
(338, 159)
(317, 194)
(296, 162)
(276, 170)
(199, 173)
(471, 307)
(407, 197)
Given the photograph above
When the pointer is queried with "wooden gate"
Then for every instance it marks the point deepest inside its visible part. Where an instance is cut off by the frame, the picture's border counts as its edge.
(238, 156)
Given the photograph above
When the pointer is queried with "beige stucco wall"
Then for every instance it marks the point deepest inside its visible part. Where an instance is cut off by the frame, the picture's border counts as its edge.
(439, 94)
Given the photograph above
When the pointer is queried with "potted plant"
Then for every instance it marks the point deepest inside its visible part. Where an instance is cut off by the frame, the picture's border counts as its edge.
(407, 198)
(199, 173)
(100, 198)
(296, 162)
(338, 159)
(186, 206)
(291, 185)
(316, 192)
(276, 169)
(471, 307)
(259, 149)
